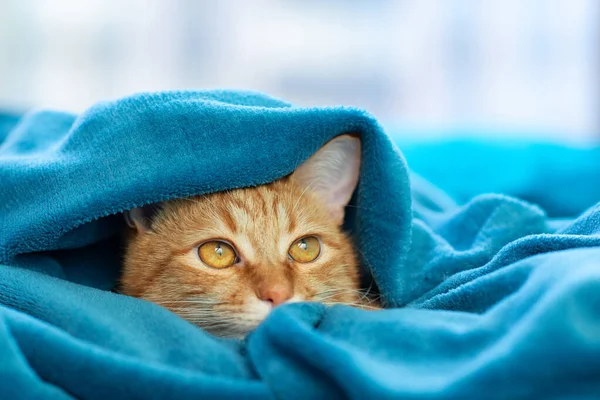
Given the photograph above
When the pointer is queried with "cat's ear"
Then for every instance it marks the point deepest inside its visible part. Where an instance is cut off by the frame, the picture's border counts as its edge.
(141, 218)
(332, 173)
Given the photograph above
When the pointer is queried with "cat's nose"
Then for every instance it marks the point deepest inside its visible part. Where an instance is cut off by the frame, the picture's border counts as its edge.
(275, 294)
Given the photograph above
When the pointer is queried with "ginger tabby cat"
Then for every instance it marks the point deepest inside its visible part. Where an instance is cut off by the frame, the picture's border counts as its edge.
(224, 260)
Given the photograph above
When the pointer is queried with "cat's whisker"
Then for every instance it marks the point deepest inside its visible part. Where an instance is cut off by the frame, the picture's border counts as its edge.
(184, 311)
(191, 302)
(209, 302)
(345, 290)
(363, 296)
(355, 305)
(210, 314)
(326, 298)
(302, 194)
(188, 306)
(206, 322)
(209, 322)
(238, 325)
(342, 289)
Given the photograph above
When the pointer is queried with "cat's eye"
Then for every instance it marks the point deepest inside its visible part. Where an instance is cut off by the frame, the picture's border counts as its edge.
(305, 250)
(217, 254)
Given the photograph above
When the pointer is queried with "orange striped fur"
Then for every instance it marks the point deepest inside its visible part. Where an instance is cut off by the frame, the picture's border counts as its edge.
(161, 263)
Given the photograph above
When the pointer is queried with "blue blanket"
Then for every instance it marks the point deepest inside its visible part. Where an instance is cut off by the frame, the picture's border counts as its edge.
(489, 297)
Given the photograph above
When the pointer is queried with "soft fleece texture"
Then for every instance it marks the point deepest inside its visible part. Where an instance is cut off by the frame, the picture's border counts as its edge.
(491, 298)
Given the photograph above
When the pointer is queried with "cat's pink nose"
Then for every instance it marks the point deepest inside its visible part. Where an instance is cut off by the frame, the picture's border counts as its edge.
(276, 294)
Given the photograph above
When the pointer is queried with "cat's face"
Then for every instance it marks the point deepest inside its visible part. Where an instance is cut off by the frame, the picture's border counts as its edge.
(224, 260)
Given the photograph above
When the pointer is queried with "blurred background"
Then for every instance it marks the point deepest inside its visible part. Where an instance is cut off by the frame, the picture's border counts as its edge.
(517, 68)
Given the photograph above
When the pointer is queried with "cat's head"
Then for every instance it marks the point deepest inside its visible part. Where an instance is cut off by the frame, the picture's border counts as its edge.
(224, 260)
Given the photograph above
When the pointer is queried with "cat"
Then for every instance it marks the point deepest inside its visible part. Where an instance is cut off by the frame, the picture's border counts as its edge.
(224, 260)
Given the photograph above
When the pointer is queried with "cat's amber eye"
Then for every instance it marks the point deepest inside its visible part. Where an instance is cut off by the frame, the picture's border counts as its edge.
(217, 254)
(305, 249)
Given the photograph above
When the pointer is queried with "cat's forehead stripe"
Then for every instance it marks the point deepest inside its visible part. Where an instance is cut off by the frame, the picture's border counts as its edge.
(260, 222)
(229, 221)
(260, 195)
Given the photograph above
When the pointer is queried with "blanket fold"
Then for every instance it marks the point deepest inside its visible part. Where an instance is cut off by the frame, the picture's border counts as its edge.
(488, 297)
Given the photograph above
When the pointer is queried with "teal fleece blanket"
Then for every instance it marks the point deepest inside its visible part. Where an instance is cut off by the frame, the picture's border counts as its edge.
(488, 297)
